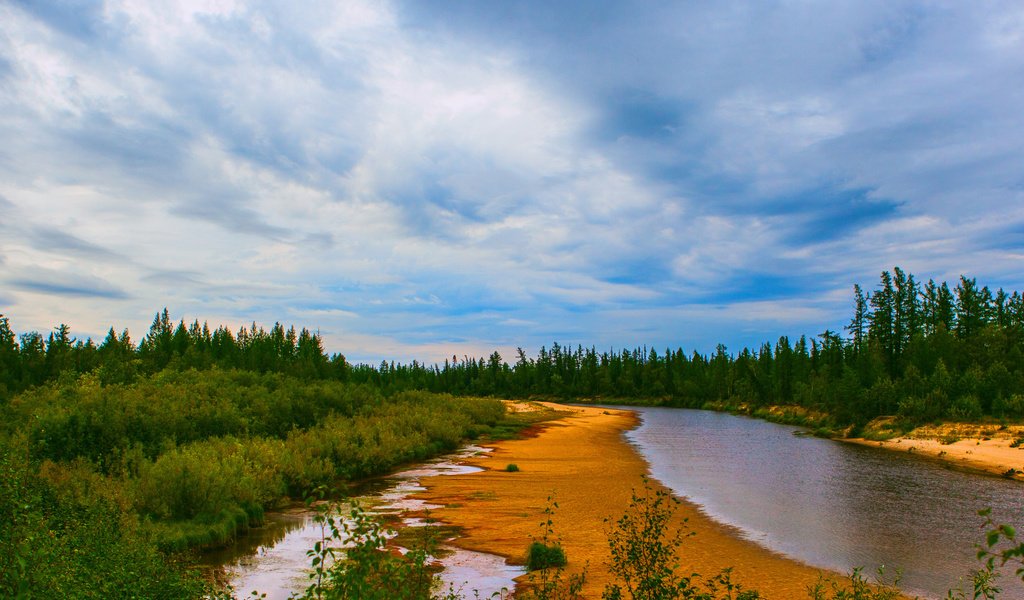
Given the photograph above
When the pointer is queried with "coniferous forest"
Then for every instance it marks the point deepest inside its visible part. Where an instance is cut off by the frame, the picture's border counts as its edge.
(117, 455)
(920, 351)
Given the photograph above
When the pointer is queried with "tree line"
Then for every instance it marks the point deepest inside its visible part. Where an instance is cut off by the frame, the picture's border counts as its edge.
(920, 351)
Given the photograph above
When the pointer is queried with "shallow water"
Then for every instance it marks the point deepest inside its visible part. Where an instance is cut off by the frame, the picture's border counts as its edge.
(272, 559)
(826, 503)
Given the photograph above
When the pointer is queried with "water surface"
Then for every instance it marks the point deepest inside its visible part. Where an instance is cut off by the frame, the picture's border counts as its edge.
(829, 504)
(272, 559)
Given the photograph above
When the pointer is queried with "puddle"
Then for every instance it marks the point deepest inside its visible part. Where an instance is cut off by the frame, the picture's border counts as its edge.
(272, 559)
(478, 573)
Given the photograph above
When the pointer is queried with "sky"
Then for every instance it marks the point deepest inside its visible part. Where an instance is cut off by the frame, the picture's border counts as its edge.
(423, 179)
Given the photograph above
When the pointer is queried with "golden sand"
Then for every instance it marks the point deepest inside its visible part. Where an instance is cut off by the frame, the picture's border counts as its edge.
(584, 461)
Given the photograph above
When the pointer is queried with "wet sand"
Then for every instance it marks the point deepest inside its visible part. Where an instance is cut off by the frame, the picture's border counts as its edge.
(584, 461)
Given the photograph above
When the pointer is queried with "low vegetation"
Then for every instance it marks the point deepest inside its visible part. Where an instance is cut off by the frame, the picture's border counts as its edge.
(121, 476)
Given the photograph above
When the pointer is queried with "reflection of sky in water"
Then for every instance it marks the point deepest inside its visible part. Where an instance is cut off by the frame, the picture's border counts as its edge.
(273, 560)
(829, 504)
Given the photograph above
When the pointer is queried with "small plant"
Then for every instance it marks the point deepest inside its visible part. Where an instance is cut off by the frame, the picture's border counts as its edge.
(546, 561)
(1017, 443)
(1010, 552)
(351, 560)
(544, 556)
(512, 468)
(857, 588)
(645, 555)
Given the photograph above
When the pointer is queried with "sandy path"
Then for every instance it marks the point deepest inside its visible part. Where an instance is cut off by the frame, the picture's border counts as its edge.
(584, 460)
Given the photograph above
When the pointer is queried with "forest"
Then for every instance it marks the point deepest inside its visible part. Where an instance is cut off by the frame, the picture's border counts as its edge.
(117, 456)
(919, 351)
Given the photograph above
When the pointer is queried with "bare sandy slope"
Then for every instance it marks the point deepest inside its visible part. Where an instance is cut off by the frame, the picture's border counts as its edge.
(584, 461)
(980, 447)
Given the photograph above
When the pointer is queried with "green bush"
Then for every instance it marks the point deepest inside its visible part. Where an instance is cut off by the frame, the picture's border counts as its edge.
(965, 408)
(512, 468)
(68, 532)
(543, 556)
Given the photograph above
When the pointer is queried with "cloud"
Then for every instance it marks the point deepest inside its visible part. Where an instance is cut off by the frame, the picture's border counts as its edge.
(67, 285)
(409, 177)
(49, 239)
(79, 19)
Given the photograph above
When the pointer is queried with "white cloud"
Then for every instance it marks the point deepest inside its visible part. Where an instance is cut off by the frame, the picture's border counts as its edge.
(400, 184)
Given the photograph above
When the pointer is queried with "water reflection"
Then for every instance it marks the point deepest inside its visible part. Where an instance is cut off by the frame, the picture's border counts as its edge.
(829, 504)
(272, 559)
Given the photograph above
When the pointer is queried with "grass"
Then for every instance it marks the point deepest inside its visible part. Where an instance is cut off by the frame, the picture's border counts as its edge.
(206, 531)
(510, 425)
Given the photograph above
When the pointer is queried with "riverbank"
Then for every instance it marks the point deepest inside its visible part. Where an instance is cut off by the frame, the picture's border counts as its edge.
(984, 447)
(583, 460)
(987, 448)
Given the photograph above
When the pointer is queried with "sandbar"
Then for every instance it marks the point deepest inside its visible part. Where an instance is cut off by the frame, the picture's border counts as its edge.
(583, 460)
(985, 448)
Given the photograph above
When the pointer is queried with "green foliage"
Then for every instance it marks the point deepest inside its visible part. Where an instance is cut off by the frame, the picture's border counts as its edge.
(512, 468)
(546, 562)
(543, 556)
(924, 352)
(856, 587)
(197, 456)
(965, 408)
(66, 532)
(352, 561)
(645, 556)
(1001, 547)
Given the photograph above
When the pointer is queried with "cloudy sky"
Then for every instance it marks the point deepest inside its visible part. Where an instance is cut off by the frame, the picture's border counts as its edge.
(422, 179)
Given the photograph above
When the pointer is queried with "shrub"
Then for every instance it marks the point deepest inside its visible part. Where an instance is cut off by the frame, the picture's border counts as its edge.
(644, 555)
(365, 569)
(546, 583)
(512, 468)
(543, 556)
(965, 408)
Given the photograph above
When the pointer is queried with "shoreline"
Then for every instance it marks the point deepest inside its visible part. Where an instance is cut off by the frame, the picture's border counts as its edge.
(585, 462)
(978, 448)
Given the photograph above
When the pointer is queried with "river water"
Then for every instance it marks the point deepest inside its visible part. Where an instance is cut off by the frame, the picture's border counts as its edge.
(829, 504)
(272, 559)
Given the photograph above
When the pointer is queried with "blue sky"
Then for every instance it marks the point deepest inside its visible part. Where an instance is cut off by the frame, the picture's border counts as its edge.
(423, 179)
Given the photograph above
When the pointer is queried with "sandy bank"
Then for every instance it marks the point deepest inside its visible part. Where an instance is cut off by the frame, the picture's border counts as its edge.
(985, 448)
(585, 462)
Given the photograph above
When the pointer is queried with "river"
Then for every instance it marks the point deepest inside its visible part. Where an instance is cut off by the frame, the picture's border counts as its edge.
(826, 503)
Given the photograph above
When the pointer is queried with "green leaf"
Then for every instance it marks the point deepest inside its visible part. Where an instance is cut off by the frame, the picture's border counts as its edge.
(992, 538)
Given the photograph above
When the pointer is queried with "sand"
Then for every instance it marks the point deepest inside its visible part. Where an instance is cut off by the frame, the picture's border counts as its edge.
(983, 448)
(583, 460)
